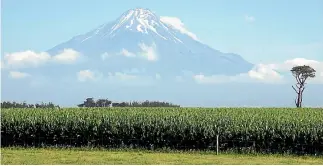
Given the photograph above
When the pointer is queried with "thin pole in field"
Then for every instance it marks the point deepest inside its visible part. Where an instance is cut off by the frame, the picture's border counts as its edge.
(217, 144)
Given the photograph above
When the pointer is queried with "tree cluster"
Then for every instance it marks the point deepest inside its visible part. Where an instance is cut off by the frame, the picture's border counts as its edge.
(90, 102)
(8, 104)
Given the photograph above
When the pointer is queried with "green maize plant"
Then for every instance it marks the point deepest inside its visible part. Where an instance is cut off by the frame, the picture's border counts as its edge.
(265, 130)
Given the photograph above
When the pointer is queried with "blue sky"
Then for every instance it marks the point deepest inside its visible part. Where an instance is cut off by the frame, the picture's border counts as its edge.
(280, 30)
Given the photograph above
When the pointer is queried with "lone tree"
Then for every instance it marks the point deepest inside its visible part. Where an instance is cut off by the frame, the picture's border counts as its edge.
(301, 74)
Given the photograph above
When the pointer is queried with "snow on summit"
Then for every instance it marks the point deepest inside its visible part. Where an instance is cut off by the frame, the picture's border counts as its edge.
(146, 22)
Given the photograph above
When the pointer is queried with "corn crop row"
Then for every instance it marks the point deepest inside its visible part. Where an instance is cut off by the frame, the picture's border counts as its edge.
(264, 129)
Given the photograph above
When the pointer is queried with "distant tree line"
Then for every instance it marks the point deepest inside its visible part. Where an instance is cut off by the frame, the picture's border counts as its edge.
(90, 102)
(9, 104)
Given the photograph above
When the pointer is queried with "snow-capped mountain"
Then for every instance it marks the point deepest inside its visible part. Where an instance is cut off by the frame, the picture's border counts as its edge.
(141, 39)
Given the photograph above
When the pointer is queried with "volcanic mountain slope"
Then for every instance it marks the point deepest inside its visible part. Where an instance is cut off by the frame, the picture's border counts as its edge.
(140, 39)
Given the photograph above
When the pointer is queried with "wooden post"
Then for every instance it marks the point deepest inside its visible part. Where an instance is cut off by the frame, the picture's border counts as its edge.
(217, 144)
(254, 146)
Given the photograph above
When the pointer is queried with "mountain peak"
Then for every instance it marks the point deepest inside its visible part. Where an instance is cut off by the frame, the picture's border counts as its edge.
(140, 12)
(139, 20)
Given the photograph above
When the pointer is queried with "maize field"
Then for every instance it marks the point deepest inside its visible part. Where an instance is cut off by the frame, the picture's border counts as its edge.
(264, 130)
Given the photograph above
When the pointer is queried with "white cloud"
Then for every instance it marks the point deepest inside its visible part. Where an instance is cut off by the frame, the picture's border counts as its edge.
(288, 64)
(87, 75)
(30, 58)
(177, 24)
(66, 56)
(26, 59)
(149, 52)
(266, 73)
(18, 75)
(301, 61)
(250, 18)
(127, 53)
(116, 77)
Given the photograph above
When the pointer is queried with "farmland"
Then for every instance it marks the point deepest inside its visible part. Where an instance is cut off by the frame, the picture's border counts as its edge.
(260, 130)
(81, 156)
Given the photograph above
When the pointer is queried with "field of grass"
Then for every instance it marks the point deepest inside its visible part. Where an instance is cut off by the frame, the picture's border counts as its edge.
(49, 156)
(275, 130)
